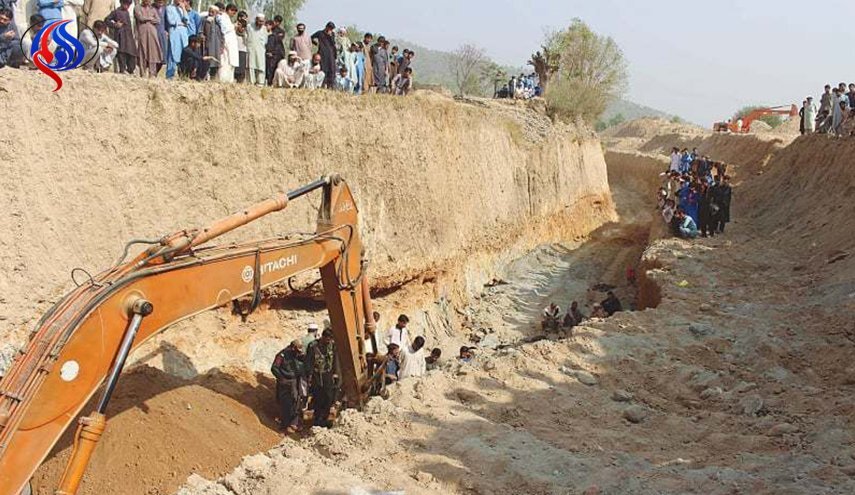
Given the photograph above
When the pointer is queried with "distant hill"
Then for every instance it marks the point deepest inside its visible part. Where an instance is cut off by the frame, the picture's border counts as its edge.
(621, 111)
(632, 111)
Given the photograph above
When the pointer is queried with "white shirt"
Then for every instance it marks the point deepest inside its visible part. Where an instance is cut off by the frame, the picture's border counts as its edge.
(400, 336)
(549, 312)
(412, 363)
(675, 162)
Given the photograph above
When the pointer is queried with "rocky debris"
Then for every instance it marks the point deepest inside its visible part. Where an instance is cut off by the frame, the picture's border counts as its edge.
(197, 485)
(635, 414)
(621, 396)
(700, 329)
(712, 393)
(7, 354)
(753, 405)
(782, 429)
(424, 478)
(582, 376)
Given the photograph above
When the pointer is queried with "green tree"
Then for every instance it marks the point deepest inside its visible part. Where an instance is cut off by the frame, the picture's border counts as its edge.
(592, 71)
(617, 120)
(772, 120)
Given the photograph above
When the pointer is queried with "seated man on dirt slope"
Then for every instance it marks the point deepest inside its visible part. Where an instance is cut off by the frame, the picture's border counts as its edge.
(687, 228)
(611, 304)
(551, 317)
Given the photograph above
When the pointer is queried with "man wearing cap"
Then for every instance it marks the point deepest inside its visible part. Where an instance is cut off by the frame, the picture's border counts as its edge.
(256, 40)
(322, 368)
(311, 335)
(290, 72)
(289, 370)
(325, 40)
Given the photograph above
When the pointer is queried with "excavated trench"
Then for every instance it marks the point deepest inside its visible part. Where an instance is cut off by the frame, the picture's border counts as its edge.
(170, 421)
(726, 387)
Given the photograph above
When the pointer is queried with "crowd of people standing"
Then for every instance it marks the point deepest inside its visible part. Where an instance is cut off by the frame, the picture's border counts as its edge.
(695, 196)
(522, 87)
(223, 44)
(835, 114)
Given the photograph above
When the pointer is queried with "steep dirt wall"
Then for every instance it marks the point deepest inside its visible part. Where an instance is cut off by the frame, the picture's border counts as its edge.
(442, 186)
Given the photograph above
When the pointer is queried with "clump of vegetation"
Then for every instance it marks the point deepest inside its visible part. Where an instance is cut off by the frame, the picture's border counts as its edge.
(581, 72)
(612, 122)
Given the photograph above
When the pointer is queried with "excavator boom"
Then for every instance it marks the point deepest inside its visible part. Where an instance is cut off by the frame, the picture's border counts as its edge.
(732, 126)
(83, 340)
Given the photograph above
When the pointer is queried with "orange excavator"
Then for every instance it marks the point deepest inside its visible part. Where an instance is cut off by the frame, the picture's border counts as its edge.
(83, 341)
(758, 113)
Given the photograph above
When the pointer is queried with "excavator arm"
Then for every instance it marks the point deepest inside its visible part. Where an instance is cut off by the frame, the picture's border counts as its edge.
(732, 126)
(83, 341)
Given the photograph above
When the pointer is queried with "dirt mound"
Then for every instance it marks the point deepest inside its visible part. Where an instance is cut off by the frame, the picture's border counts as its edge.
(759, 127)
(650, 127)
(162, 429)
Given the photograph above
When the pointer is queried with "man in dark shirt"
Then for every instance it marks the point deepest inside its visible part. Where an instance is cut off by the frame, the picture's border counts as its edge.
(193, 64)
(322, 368)
(325, 40)
(275, 49)
(10, 43)
(288, 369)
(611, 304)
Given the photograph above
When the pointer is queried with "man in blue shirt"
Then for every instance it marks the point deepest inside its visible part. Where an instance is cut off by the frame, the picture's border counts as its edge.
(393, 364)
(51, 9)
(688, 229)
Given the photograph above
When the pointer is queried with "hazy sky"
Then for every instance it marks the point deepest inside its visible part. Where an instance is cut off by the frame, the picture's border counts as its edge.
(700, 60)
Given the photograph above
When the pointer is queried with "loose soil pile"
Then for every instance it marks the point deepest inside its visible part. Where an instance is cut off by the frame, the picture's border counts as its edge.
(162, 428)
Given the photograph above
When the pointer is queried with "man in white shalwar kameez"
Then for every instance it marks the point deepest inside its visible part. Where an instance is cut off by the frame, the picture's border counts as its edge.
(413, 360)
(290, 72)
(256, 41)
(810, 116)
(231, 55)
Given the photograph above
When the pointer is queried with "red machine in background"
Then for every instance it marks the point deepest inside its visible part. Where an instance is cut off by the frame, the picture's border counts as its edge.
(746, 121)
